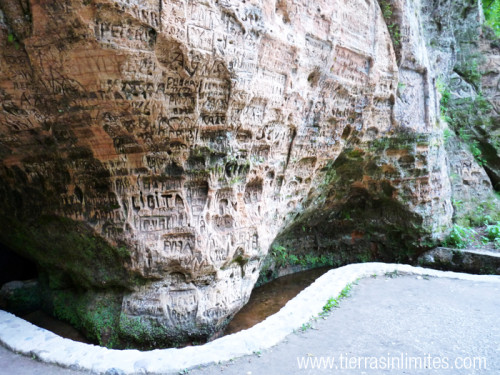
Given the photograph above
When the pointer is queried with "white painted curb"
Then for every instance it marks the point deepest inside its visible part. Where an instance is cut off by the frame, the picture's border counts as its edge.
(25, 338)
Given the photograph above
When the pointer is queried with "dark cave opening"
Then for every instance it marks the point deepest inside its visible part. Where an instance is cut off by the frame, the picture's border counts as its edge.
(494, 178)
(14, 267)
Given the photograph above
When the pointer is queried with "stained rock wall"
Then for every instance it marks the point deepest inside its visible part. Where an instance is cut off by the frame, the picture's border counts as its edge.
(465, 55)
(387, 195)
(187, 135)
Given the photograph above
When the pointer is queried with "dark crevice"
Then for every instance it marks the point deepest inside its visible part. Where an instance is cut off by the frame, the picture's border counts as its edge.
(494, 179)
(289, 154)
(15, 267)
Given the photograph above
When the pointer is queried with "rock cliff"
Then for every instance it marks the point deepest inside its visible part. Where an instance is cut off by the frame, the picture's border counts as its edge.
(152, 151)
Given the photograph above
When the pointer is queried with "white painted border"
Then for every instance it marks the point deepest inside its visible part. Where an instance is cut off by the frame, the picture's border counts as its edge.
(25, 338)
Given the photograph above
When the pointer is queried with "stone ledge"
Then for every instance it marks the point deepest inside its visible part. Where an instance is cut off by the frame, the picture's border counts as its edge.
(462, 260)
(25, 338)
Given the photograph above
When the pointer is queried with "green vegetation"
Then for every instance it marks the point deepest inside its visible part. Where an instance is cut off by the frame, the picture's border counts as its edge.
(483, 213)
(470, 116)
(23, 300)
(467, 67)
(460, 237)
(464, 116)
(447, 134)
(236, 180)
(281, 257)
(388, 13)
(477, 226)
(403, 141)
(330, 304)
(442, 88)
(304, 327)
(492, 14)
(493, 233)
(333, 302)
(146, 333)
(11, 38)
(96, 315)
(66, 247)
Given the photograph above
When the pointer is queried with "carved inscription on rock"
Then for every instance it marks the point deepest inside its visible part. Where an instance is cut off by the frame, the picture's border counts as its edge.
(190, 131)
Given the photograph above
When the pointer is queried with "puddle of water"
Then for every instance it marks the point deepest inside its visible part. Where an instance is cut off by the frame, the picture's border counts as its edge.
(270, 298)
(44, 320)
(264, 301)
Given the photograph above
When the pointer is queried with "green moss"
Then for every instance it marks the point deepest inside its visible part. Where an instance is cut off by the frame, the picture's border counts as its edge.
(64, 246)
(147, 333)
(354, 215)
(470, 118)
(403, 141)
(65, 306)
(23, 300)
(355, 154)
(95, 314)
(346, 167)
(468, 68)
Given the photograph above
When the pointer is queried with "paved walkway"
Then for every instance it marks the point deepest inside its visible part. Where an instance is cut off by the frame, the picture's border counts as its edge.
(387, 326)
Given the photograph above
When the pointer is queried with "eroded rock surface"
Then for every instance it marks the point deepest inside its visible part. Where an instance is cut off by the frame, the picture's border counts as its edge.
(189, 134)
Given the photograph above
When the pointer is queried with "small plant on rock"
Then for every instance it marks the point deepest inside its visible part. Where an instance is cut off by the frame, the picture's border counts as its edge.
(334, 302)
(330, 304)
(493, 231)
(460, 237)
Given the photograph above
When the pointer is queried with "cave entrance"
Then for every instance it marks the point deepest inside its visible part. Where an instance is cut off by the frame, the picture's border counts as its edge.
(14, 267)
(26, 298)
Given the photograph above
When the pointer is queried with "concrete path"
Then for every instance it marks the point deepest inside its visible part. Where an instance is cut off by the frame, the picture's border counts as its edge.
(445, 319)
(399, 325)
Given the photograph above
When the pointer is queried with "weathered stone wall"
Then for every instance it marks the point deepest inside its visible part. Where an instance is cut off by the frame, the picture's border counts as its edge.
(465, 57)
(186, 133)
(151, 151)
(387, 195)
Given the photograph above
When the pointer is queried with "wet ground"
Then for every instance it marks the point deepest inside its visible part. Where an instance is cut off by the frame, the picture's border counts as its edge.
(441, 322)
(270, 298)
(264, 301)
(63, 329)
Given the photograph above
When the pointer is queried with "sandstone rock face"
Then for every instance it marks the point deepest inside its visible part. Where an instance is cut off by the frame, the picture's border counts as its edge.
(388, 192)
(186, 135)
(490, 80)
(466, 57)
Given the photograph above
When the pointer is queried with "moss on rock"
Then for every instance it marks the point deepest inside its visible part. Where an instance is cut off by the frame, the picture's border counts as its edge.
(69, 250)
